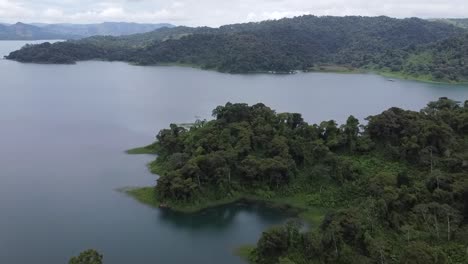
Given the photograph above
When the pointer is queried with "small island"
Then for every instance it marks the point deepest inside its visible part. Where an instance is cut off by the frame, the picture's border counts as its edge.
(394, 189)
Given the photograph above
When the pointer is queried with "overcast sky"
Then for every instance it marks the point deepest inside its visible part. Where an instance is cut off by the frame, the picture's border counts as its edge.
(216, 12)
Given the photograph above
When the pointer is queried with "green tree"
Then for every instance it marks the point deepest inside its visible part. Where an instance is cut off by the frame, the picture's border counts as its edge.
(351, 131)
(90, 256)
(422, 253)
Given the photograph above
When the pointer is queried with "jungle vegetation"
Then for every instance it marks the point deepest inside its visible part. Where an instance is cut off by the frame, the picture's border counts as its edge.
(395, 189)
(412, 47)
(89, 256)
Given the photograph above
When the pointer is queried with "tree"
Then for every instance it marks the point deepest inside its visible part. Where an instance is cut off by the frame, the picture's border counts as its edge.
(422, 253)
(286, 261)
(272, 244)
(399, 180)
(435, 218)
(90, 256)
(351, 131)
(421, 47)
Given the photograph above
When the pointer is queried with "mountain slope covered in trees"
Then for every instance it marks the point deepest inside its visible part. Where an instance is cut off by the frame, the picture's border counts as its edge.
(396, 189)
(459, 22)
(280, 46)
(445, 60)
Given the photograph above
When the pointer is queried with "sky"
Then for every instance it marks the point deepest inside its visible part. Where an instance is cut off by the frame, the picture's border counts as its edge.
(216, 12)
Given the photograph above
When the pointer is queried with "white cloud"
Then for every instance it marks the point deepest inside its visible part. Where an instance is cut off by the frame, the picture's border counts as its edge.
(177, 5)
(275, 15)
(215, 12)
(113, 12)
(52, 13)
(10, 10)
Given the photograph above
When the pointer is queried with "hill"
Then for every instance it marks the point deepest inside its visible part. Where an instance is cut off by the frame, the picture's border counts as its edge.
(103, 29)
(445, 60)
(285, 45)
(21, 31)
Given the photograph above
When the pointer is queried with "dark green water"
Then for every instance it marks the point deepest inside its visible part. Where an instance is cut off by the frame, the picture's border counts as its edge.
(64, 129)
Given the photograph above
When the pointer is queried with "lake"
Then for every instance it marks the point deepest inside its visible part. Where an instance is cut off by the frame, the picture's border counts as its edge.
(64, 129)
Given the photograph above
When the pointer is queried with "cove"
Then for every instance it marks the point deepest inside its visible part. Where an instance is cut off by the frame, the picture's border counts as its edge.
(64, 129)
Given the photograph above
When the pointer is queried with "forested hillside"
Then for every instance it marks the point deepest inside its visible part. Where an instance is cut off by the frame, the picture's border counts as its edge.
(459, 22)
(279, 46)
(396, 189)
(445, 60)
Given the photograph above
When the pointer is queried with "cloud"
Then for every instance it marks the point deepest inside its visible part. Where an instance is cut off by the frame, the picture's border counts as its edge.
(53, 13)
(120, 14)
(275, 15)
(10, 10)
(215, 12)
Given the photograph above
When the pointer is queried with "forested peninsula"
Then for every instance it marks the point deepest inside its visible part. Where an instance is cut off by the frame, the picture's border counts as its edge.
(410, 48)
(393, 190)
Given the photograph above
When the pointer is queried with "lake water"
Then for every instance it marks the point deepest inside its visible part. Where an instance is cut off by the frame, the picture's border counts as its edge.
(64, 129)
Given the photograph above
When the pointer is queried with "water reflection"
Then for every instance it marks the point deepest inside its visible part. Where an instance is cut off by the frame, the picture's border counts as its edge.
(64, 127)
(218, 218)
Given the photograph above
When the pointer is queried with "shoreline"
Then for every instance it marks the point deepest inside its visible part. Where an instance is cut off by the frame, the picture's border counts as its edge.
(402, 76)
(310, 215)
(316, 69)
(141, 150)
(295, 204)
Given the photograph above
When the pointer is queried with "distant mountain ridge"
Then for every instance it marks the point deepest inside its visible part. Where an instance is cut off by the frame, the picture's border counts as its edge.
(40, 31)
(21, 31)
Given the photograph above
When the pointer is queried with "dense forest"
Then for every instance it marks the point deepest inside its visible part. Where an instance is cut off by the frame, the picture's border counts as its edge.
(285, 45)
(459, 22)
(446, 60)
(395, 188)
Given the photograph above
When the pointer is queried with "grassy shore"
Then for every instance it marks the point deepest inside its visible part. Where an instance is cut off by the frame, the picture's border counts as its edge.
(150, 149)
(338, 69)
(298, 203)
(293, 204)
(147, 195)
(388, 74)
(419, 78)
(179, 64)
(334, 69)
(245, 252)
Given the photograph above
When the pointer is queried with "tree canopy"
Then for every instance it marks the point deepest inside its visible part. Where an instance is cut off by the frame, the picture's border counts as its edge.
(284, 45)
(90, 256)
(396, 188)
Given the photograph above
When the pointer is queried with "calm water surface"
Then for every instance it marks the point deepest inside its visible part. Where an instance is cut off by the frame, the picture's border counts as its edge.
(63, 130)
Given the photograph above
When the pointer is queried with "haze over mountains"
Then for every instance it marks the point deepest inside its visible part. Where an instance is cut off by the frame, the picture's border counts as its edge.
(40, 31)
(459, 22)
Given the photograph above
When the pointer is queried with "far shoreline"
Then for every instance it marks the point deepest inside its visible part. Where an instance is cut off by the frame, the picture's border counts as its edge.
(336, 69)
